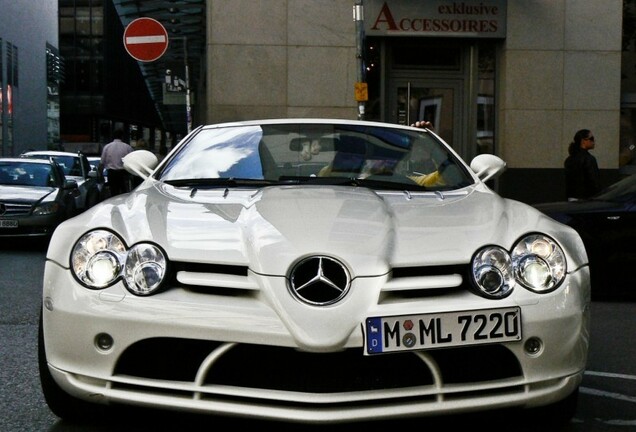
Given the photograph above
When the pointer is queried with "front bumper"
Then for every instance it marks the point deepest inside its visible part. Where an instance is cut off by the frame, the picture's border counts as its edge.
(28, 226)
(235, 355)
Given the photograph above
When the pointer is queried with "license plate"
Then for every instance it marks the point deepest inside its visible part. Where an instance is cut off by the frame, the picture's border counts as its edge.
(5, 223)
(440, 330)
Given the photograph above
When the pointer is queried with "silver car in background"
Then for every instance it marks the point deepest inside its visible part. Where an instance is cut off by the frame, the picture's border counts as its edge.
(35, 197)
(76, 167)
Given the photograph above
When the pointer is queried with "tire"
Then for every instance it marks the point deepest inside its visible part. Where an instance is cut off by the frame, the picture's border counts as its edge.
(61, 403)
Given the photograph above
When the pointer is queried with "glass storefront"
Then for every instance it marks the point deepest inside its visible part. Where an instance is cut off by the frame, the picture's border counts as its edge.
(450, 83)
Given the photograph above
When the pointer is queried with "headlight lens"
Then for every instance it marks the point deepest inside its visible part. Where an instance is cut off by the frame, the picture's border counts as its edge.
(492, 272)
(102, 269)
(539, 263)
(96, 258)
(536, 262)
(145, 268)
(46, 209)
(100, 258)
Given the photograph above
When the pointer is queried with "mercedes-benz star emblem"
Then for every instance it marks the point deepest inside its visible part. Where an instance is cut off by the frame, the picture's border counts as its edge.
(319, 280)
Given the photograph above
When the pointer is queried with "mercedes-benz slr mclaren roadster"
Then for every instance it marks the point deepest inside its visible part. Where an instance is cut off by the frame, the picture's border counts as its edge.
(318, 271)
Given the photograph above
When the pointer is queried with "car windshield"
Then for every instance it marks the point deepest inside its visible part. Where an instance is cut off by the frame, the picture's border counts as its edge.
(348, 154)
(25, 174)
(71, 165)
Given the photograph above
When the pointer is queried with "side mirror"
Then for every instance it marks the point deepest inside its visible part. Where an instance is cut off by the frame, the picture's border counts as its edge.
(487, 166)
(140, 163)
(70, 184)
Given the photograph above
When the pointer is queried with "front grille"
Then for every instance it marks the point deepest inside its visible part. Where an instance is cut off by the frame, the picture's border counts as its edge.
(235, 270)
(415, 282)
(438, 270)
(418, 282)
(288, 370)
(291, 370)
(15, 209)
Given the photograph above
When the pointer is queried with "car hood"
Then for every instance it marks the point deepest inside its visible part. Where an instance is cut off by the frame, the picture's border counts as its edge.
(269, 229)
(24, 194)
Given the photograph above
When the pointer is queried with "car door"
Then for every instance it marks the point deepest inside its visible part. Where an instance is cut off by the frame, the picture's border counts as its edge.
(90, 187)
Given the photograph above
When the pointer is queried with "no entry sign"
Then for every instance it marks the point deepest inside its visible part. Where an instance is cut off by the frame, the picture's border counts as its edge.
(145, 39)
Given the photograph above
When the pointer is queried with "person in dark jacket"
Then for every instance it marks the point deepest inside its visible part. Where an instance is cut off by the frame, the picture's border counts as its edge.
(582, 176)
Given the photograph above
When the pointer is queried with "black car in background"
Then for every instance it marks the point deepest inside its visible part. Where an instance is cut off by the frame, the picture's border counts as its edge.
(35, 197)
(607, 225)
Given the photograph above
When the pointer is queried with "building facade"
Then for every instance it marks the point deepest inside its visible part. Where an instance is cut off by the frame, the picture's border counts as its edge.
(30, 69)
(103, 88)
(107, 88)
(516, 79)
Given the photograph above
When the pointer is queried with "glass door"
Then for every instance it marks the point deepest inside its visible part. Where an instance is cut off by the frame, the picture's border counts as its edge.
(437, 101)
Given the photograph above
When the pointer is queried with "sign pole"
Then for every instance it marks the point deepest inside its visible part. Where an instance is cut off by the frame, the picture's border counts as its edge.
(361, 91)
(184, 39)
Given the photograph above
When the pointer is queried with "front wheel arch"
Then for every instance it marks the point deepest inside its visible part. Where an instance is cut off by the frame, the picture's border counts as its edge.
(61, 403)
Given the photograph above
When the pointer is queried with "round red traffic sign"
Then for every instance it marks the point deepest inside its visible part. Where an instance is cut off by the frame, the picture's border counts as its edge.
(145, 39)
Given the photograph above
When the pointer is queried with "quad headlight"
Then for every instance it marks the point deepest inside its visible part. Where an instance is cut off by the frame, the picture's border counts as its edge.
(536, 262)
(539, 263)
(100, 258)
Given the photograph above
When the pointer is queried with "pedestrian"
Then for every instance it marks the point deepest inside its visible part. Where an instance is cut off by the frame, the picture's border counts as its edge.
(112, 155)
(582, 176)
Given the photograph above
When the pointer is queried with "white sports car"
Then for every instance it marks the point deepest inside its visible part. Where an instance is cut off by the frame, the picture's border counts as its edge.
(317, 271)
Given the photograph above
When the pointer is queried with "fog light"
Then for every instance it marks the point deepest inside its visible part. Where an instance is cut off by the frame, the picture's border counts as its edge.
(533, 346)
(104, 341)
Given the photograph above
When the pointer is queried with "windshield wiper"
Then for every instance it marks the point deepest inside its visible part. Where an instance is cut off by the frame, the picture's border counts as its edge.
(219, 182)
(314, 180)
(373, 182)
